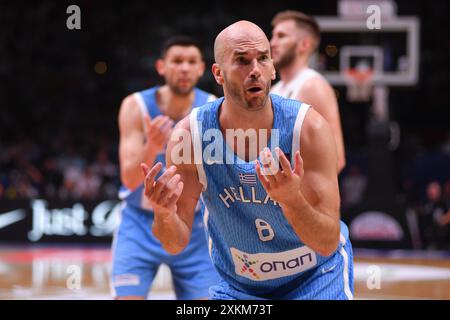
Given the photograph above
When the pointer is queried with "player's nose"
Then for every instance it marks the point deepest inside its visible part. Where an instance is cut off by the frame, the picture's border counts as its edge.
(273, 41)
(185, 66)
(255, 70)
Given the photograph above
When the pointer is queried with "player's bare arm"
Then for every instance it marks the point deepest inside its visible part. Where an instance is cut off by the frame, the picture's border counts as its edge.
(139, 143)
(173, 197)
(319, 93)
(313, 211)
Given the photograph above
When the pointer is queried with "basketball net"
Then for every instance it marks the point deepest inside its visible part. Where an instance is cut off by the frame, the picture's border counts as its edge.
(359, 84)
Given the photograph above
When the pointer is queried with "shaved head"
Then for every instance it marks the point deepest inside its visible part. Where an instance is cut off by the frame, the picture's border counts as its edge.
(239, 33)
(243, 66)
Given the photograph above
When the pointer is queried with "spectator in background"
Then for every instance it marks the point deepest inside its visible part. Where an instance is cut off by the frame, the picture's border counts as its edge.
(53, 177)
(353, 187)
(87, 185)
(444, 220)
(447, 193)
(433, 219)
(108, 170)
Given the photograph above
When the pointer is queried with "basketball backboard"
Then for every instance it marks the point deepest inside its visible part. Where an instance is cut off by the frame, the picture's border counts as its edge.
(348, 41)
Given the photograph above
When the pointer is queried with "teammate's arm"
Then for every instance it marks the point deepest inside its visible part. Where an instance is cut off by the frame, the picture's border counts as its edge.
(312, 211)
(174, 197)
(321, 96)
(138, 144)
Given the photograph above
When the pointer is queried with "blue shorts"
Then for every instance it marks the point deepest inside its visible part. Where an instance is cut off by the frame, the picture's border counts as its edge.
(137, 255)
(333, 280)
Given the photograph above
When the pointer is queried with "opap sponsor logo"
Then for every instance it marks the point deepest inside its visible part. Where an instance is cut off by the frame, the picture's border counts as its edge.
(268, 266)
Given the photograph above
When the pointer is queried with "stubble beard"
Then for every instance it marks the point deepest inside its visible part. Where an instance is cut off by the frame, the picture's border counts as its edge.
(286, 59)
(237, 94)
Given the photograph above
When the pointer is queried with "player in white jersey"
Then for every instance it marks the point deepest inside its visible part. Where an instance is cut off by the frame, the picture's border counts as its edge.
(295, 37)
(272, 235)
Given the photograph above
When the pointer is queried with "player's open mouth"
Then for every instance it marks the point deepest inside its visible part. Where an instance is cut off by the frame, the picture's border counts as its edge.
(254, 89)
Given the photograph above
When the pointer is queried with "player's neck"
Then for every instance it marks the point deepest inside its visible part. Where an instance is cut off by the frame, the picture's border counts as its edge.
(288, 73)
(174, 105)
(233, 116)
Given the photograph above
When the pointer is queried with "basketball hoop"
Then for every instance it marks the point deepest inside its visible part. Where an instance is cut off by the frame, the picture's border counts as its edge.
(359, 84)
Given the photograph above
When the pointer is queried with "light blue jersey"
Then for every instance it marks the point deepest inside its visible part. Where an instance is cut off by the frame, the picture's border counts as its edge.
(137, 254)
(148, 104)
(252, 245)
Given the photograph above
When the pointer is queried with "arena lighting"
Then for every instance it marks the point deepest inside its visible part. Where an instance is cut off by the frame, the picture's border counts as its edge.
(100, 67)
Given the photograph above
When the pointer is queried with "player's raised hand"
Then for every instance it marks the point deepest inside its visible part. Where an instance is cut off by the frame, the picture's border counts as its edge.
(281, 184)
(163, 193)
(157, 131)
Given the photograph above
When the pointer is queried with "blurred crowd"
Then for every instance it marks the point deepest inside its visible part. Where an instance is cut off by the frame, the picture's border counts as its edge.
(60, 169)
(422, 187)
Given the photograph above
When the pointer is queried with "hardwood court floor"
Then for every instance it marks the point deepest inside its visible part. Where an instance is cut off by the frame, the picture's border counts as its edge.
(83, 273)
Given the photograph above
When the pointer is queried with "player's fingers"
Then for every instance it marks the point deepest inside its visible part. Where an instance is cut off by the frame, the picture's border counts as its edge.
(269, 166)
(285, 165)
(148, 124)
(158, 121)
(166, 122)
(152, 127)
(173, 199)
(150, 177)
(169, 188)
(264, 181)
(168, 134)
(179, 189)
(162, 181)
(162, 129)
(166, 130)
(157, 139)
(298, 164)
(145, 169)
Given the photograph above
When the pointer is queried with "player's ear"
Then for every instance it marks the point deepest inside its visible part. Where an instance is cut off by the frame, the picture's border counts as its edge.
(160, 66)
(304, 44)
(217, 73)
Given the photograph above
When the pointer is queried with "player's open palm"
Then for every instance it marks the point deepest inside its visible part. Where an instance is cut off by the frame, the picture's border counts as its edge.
(158, 131)
(163, 193)
(282, 184)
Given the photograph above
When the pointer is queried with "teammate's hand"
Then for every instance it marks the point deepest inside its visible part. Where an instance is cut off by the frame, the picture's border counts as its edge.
(281, 185)
(162, 194)
(158, 131)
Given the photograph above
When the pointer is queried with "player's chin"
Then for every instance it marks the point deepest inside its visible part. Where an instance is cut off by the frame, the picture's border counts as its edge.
(184, 89)
(256, 103)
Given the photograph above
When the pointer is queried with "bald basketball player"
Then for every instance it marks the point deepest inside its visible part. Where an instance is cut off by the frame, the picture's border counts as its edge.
(274, 231)
(295, 37)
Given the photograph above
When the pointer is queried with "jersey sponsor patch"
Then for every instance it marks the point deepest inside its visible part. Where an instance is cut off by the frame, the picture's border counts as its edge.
(268, 266)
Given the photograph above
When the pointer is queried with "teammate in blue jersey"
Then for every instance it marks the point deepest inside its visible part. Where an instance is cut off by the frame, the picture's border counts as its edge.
(146, 119)
(266, 170)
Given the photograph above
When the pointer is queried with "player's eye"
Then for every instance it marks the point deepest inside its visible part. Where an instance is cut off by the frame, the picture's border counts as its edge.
(242, 60)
